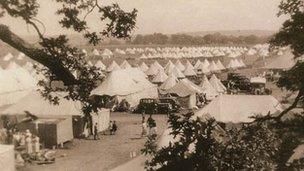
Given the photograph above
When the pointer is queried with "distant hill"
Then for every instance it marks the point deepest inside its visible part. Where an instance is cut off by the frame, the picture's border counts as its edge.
(261, 33)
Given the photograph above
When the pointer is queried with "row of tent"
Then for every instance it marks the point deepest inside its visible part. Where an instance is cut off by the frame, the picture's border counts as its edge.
(175, 52)
(184, 87)
(179, 69)
(137, 86)
(184, 52)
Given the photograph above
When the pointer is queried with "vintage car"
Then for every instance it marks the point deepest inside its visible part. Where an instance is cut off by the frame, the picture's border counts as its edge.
(159, 106)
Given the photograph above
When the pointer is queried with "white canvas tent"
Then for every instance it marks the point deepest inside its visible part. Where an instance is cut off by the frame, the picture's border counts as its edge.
(189, 71)
(113, 66)
(213, 67)
(37, 105)
(169, 67)
(220, 65)
(129, 84)
(8, 57)
(153, 70)
(186, 89)
(203, 69)
(179, 65)
(15, 83)
(197, 64)
(208, 89)
(178, 74)
(144, 67)
(188, 64)
(169, 83)
(160, 77)
(217, 84)
(125, 64)
(100, 65)
(282, 62)
(7, 158)
(96, 52)
(238, 108)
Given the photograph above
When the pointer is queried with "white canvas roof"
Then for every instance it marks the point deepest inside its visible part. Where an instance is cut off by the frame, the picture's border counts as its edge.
(169, 83)
(144, 67)
(123, 82)
(8, 57)
(188, 64)
(7, 154)
(206, 62)
(160, 77)
(12, 65)
(169, 63)
(96, 52)
(157, 65)
(20, 56)
(179, 65)
(220, 65)
(207, 88)
(197, 64)
(232, 64)
(213, 67)
(204, 68)
(129, 84)
(125, 65)
(238, 108)
(169, 67)
(113, 66)
(100, 65)
(189, 71)
(185, 88)
(285, 61)
(153, 70)
(38, 105)
(217, 84)
(177, 73)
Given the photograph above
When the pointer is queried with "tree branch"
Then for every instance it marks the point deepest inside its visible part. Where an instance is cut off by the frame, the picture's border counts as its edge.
(55, 66)
(292, 106)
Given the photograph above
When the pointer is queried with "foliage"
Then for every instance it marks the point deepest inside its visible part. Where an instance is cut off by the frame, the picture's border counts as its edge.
(201, 144)
(183, 39)
(73, 13)
(292, 34)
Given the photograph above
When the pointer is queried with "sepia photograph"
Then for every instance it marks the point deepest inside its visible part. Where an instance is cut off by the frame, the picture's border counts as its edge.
(151, 85)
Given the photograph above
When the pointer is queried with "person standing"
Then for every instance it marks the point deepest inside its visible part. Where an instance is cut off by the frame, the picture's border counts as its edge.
(36, 144)
(114, 128)
(96, 132)
(28, 145)
(152, 125)
(110, 127)
(144, 128)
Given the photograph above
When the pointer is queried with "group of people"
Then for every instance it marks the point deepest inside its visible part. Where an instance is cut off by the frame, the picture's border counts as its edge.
(112, 129)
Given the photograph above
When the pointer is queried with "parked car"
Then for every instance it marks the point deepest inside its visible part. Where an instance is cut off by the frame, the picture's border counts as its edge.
(148, 105)
(160, 106)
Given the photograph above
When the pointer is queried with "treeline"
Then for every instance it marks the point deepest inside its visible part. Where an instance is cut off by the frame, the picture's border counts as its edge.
(184, 39)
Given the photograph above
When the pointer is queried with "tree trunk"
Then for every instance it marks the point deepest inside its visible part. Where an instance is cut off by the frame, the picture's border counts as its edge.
(38, 55)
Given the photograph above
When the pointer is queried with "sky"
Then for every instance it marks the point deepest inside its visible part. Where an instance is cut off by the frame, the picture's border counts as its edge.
(173, 16)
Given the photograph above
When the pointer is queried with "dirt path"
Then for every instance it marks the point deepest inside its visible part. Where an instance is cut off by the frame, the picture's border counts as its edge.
(106, 153)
